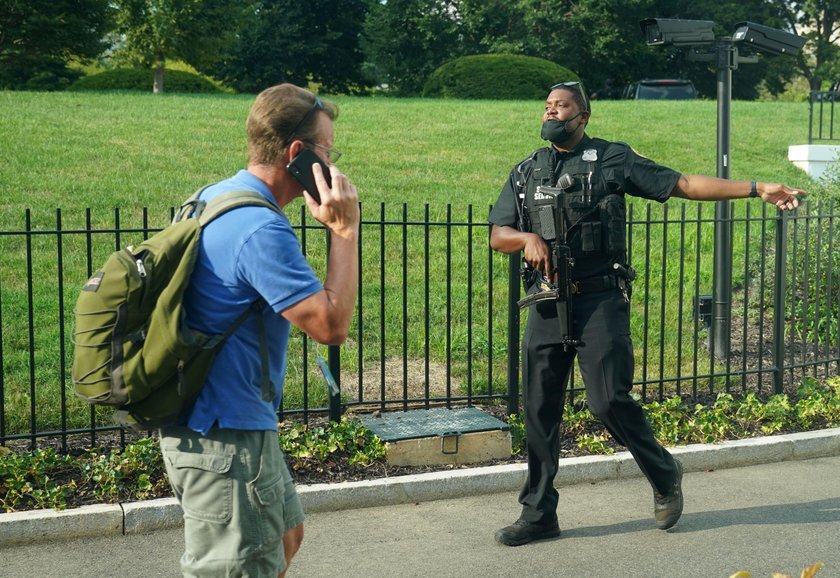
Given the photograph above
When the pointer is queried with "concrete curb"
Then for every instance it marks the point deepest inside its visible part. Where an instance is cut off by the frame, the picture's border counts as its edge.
(139, 517)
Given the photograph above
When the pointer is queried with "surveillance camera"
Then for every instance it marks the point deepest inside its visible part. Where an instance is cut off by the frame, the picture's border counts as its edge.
(766, 39)
(667, 31)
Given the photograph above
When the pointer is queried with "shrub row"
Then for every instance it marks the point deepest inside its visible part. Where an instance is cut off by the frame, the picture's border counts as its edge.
(46, 479)
(497, 77)
(135, 79)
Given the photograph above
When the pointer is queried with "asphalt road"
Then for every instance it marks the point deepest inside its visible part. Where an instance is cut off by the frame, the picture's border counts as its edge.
(774, 517)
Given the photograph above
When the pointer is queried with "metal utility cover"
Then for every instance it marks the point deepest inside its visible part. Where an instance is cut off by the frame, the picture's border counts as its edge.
(421, 423)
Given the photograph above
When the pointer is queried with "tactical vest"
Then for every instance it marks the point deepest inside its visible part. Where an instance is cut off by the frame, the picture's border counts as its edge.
(595, 218)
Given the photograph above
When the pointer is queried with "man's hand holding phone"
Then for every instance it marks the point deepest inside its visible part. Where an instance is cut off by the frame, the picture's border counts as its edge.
(301, 169)
(335, 202)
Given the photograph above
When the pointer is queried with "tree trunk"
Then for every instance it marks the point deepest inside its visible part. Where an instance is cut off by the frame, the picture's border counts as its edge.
(158, 83)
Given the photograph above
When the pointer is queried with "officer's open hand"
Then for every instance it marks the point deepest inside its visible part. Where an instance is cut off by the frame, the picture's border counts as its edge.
(784, 197)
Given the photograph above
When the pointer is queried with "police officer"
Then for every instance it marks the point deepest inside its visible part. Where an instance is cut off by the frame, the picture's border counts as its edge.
(593, 176)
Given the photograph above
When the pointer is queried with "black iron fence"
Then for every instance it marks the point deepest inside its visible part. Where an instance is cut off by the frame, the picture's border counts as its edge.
(823, 121)
(436, 320)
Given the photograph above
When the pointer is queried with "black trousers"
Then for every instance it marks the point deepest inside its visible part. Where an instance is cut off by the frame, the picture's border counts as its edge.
(605, 358)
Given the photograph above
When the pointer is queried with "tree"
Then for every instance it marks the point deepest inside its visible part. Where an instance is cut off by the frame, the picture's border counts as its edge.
(597, 39)
(39, 37)
(408, 39)
(819, 22)
(293, 41)
(195, 31)
(602, 39)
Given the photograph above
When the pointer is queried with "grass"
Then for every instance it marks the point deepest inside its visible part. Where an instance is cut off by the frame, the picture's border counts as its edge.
(73, 151)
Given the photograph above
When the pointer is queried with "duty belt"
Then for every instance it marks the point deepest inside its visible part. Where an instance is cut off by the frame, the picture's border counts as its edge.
(588, 285)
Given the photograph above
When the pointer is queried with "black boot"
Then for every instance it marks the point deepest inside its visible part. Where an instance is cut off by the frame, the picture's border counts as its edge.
(668, 509)
(522, 532)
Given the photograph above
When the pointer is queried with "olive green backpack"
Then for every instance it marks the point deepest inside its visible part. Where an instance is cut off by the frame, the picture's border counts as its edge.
(132, 347)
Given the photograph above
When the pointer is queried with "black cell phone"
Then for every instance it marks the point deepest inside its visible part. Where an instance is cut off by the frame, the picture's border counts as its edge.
(301, 169)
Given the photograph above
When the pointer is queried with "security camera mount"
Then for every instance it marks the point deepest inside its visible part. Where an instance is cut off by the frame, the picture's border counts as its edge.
(698, 37)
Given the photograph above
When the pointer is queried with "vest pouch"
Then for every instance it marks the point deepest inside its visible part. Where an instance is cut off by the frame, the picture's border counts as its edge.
(590, 237)
(614, 226)
(580, 206)
(541, 216)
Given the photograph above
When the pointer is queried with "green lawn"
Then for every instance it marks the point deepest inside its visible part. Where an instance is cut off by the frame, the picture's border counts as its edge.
(76, 151)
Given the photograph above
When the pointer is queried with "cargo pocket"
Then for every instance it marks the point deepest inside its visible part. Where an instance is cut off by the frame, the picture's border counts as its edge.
(271, 502)
(203, 483)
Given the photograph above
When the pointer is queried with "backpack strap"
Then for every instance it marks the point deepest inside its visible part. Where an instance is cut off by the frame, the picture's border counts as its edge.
(205, 212)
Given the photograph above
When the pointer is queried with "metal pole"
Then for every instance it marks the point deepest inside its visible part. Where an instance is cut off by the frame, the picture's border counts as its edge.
(780, 287)
(334, 363)
(513, 335)
(727, 56)
(334, 368)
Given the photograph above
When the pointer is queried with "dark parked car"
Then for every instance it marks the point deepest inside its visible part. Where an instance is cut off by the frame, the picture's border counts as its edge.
(661, 89)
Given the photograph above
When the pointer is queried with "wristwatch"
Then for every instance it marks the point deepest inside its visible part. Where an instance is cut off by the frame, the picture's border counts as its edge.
(753, 190)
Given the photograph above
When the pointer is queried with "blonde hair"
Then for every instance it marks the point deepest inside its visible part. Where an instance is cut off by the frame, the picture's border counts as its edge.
(276, 113)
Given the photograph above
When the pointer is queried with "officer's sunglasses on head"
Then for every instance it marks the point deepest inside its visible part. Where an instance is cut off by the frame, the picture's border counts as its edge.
(575, 85)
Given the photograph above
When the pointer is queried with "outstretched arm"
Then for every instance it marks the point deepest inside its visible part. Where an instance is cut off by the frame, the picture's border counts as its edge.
(703, 188)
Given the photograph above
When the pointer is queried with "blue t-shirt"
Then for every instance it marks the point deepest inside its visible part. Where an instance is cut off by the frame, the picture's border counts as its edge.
(246, 254)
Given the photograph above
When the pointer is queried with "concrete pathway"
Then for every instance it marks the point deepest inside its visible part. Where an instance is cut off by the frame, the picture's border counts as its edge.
(745, 510)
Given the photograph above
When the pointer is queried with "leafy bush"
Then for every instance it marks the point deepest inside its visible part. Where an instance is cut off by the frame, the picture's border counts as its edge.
(348, 436)
(28, 481)
(38, 74)
(496, 76)
(675, 422)
(46, 479)
(142, 80)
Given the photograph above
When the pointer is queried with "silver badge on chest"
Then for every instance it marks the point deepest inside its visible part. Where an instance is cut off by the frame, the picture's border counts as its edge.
(590, 155)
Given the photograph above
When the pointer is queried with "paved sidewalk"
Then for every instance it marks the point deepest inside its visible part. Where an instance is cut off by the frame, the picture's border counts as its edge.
(759, 505)
(765, 518)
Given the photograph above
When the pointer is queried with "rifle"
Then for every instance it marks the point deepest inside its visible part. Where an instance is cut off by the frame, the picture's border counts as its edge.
(562, 262)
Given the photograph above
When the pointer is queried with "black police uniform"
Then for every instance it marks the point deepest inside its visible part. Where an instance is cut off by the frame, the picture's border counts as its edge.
(602, 172)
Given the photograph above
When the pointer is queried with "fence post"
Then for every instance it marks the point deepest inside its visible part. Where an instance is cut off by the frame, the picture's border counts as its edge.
(334, 363)
(513, 334)
(779, 290)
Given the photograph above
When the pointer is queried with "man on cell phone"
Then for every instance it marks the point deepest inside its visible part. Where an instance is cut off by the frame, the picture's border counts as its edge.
(242, 515)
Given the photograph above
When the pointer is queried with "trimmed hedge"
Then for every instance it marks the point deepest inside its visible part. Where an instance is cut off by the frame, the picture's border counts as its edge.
(142, 80)
(497, 77)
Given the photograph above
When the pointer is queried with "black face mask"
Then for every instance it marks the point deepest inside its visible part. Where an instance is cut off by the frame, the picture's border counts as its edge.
(555, 130)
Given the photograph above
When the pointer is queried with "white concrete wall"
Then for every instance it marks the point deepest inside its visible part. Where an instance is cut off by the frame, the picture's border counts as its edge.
(814, 159)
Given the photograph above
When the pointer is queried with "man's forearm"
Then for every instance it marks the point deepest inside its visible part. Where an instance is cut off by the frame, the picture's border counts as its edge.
(342, 280)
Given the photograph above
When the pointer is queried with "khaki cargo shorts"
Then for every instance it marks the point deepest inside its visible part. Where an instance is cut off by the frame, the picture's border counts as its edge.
(238, 499)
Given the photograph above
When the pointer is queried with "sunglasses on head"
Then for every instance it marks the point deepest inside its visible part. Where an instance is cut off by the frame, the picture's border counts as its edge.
(574, 85)
(317, 105)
